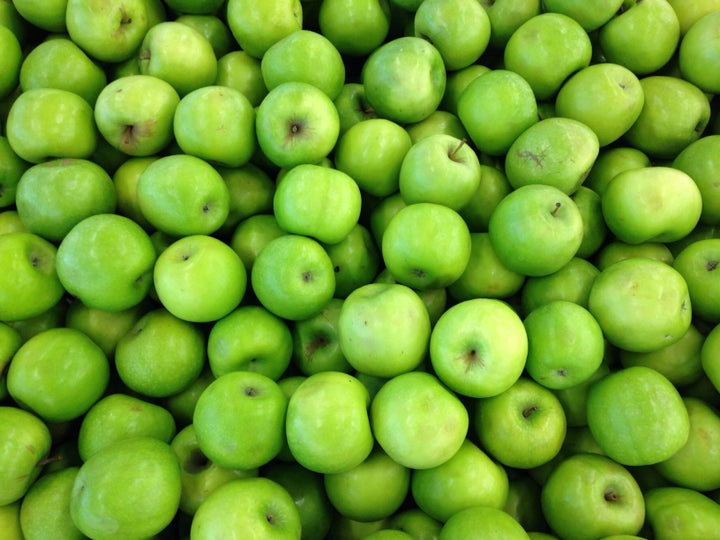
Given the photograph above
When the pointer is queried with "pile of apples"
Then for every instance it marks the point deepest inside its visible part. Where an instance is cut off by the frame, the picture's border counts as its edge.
(359, 269)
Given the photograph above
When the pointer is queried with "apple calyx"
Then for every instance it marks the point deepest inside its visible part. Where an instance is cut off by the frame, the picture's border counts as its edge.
(711, 265)
(472, 358)
(611, 495)
(197, 462)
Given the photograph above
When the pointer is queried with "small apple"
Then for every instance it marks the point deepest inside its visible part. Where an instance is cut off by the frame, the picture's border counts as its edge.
(249, 22)
(572, 283)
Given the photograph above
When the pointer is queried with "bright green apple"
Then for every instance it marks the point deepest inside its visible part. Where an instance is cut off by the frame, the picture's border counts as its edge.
(415, 522)
(697, 263)
(352, 106)
(506, 16)
(355, 27)
(676, 513)
(457, 82)
(482, 521)
(316, 345)
(11, 63)
(11, 170)
(125, 179)
(493, 187)
(182, 405)
(356, 260)
(610, 162)
(708, 355)
(252, 234)
(258, 25)
(49, 16)
(591, 15)
(572, 283)
(239, 70)
(615, 251)
(45, 509)
(701, 160)
(10, 341)
(213, 27)
(439, 122)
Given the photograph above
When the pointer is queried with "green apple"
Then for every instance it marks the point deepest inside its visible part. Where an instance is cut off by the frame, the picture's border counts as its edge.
(606, 97)
(120, 416)
(416, 523)
(545, 50)
(641, 304)
(355, 27)
(239, 420)
(574, 398)
(242, 72)
(49, 16)
(356, 260)
(482, 521)
(523, 503)
(459, 29)
(199, 278)
(10, 342)
(595, 230)
(697, 263)
(250, 338)
(439, 122)
(320, 202)
(373, 490)
(201, 128)
(327, 423)
(11, 171)
(697, 53)
(257, 508)
(485, 275)
(404, 79)
(48, 123)
(693, 466)
(708, 356)
(689, 12)
(591, 15)
(591, 496)
(182, 195)
(125, 179)
(562, 353)
(10, 222)
(212, 26)
(494, 186)
(675, 113)
(25, 443)
(418, 421)
(295, 58)
(106, 260)
(435, 300)
(307, 490)
(135, 113)
(556, 151)
(182, 405)
(439, 169)
(296, 123)
(45, 509)
(536, 229)
(203, 7)
(382, 213)
(257, 26)
(495, 108)
(642, 37)
(251, 192)
(109, 495)
(615, 251)
(700, 160)
(384, 329)
(469, 478)
(54, 196)
(478, 347)
(251, 235)
(28, 274)
(426, 245)
(572, 283)
(523, 427)
(457, 82)
(178, 54)
(506, 16)
(352, 106)
(371, 151)
(675, 512)
(11, 62)
(637, 416)
(610, 162)
(315, 342)
(58, 374)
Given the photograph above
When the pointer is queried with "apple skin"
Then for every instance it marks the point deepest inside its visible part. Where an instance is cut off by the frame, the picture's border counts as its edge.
(506, 16)
(457, 82)
(495, 108)
(184, 271)
(10, 342)
(355, 27)
(315, 343)
(213, 27)
(482, 520)
(65, 129)
(129, 468)
(248, 22)
(11, 171)
(634, 321)
(49, 16)
(696, 263)
(240, 71)
(700, 160)
(30, 283)
(601, 495)
(404, 79)
(677, 512)
(251, 235)
(26, 441)
(572, 283)
(327, 423)
(356, 260)
(409, 407)
(637, 416)
(697, 53)
(590, 15)
(469, 478)
(610, 162)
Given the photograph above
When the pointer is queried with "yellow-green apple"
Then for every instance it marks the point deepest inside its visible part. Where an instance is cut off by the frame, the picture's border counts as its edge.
(45, 509)
(356, 260)
(572, 283)
(591, 15)
(701, 160)
(676, 512)
(239, 70)
(482, 520)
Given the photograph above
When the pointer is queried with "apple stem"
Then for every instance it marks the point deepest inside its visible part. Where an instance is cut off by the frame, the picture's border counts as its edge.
(555, 210)
(452, 155)
(53, 459)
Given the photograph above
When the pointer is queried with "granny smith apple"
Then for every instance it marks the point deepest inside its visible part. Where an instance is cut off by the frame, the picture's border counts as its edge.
(371, 151)
(49, 16)
(495, 108)
(249, 507)
(356, 260)
(459, 29)
(439, 122)
(384, 329)
(354, 27)
(556, 151)
(506, 16)
(11, 62)
(590, 15)
(418, 421)
(327, 424)
(708, 357)
(109, 495)
(404, 79)
(642, 37)
(237, 69)
(106, 260)
(676, 512)
(125, 179)
(415, 522)
(250, 338)
(536, 229)
(478, 347)
(118, 416)
(595, 230)
(213, 27)
(545, 50)
(426, 245)
(249, 23)
(700, 160)
(26, 441)
(178, 54)
(610, 162)
(352, 106)
(637, 416)
(689, 12)
(493, 187)
(9, 344)
(58, 374)
(697, 263)
(10, 222)
(199, 278)
(469, 478)
(592, 496)
(571, 283)
(54, 196)
(181, 406)
(252, 234)
(296, 123)
(457, 82)
(11, 171)
(30, 283)
(615, 251)
(315, 342)
(201, 126)
(45, 509)
(48, 123)
(135, 114)
(484, 521)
